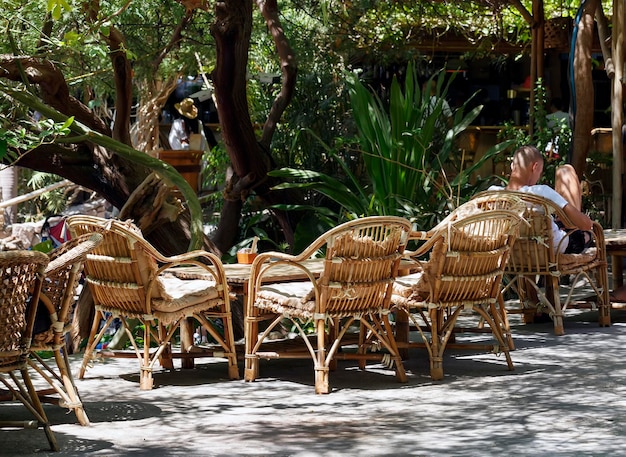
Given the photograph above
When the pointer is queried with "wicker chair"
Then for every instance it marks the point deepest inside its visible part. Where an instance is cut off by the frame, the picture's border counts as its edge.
(534, 256)
(361, 260)
(129, 280)
(462, 272)
(21, 274)
(58, 296)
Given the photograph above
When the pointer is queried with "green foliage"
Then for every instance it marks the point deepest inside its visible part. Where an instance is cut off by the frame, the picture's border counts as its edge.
(386, 30)
(551, 138)
(19, 132)
(320, 101)
(256, 224)
(409, 154)
(53, 202)
(57, 7)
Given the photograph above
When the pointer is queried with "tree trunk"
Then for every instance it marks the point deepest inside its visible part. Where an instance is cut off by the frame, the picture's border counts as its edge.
(249, 157)
(583, 94)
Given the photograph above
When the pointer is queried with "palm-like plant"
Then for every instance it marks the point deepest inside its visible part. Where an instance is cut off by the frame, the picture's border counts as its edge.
(409, 152)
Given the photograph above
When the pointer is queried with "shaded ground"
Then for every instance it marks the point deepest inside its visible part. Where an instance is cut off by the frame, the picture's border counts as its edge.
(566, 397)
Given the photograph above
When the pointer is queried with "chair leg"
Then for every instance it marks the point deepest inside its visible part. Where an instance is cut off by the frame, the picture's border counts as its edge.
(92, 341)
(552, 282)
(146, 382)
(38, 408)
(165, 359)
(436, 358)
(402, 331)
(70, 387)
(493, 320)
(396, 357)
(322, 385)
(251, 369)
(528, 307)
(186, 342)
(333, 331)
(604, 303)
(506, 326)
(229, 338)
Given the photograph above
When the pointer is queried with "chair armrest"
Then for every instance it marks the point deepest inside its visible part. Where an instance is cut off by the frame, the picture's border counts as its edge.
(83, 245)
(421, 234)
(203, 260)
(430, 237)
(268, 262)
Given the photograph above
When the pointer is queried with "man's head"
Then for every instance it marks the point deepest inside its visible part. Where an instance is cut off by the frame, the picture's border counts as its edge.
(527, 165)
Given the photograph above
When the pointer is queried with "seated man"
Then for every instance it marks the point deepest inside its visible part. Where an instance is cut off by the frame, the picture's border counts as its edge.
(526, 169)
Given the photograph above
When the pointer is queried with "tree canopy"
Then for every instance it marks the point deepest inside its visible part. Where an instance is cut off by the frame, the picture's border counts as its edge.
(110, 65)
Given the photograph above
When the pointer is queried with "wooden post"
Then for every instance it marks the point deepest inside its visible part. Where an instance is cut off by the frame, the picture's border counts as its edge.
(186, 341)
(617, 45)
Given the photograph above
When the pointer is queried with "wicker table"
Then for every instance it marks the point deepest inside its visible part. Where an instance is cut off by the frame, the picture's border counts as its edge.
(615, 242)
(238, 275)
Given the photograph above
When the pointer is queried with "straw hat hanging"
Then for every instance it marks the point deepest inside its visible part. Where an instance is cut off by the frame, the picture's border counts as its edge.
(187, 108)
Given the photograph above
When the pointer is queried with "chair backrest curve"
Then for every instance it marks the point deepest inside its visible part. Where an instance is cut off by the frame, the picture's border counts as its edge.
(361, 263)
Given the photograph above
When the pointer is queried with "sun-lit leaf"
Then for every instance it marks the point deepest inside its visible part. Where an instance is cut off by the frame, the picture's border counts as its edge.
(71, 38)
(57, 7)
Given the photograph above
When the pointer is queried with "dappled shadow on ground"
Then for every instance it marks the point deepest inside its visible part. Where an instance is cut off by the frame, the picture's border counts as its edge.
(565, 397)
(100, 413)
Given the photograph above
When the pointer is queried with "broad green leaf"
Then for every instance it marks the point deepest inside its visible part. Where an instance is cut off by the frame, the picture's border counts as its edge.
(3, 148)
(56, 8)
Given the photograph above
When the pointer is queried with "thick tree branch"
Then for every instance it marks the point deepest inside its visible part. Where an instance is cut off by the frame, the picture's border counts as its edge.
(123, 82)
(175, 39)
(122, 72)
(519, 6)
(288, 68)
(232, 30)
(54, 90)
(76, 163)
(604, 34)
(584, 93)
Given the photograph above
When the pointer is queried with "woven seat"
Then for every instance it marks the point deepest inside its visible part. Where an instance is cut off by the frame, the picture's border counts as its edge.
(129, 279)
(534, 256)
(361, 260)
(21, 274)
(461, 268)
(58, 296)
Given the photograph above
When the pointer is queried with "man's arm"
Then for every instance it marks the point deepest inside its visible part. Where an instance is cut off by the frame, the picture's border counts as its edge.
(581, 220)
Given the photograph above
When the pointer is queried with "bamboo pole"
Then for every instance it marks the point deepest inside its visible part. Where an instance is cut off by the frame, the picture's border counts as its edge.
(616, 112)
(34, 194)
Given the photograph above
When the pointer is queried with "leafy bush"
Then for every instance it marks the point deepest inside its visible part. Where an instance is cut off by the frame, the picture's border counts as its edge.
(554, 140)
(410, 157)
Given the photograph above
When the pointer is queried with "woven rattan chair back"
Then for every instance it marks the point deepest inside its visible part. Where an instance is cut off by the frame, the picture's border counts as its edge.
(360, 265)
(468, 258)
(361, 260)
(21, 275)
(536, 253)
(58, 296)
(462, 264)
(59, 290)
(125, 274)
(119, 269)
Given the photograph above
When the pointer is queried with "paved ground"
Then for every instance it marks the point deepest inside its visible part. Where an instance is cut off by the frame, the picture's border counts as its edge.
(566, 397)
